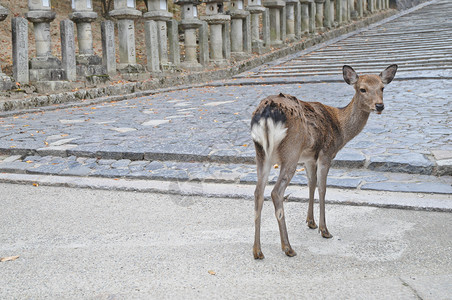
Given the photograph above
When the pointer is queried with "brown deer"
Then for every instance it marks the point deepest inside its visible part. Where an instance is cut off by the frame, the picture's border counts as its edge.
(287, 131)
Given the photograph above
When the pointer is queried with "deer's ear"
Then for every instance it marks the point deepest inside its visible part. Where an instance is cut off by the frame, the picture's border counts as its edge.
(350, 75)
(388, 74)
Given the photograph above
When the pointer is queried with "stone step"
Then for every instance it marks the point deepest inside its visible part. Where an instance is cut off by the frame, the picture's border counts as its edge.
(345, 178)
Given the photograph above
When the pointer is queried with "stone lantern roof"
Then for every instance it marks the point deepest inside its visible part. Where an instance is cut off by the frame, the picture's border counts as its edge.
(123, 11)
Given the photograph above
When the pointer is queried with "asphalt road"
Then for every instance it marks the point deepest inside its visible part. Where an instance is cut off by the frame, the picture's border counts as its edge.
(97, 244)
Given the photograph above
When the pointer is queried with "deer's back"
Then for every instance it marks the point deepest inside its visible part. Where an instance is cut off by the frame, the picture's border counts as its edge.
(312, 125)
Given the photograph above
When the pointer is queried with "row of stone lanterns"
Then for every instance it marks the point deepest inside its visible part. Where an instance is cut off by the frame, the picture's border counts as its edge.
(210, 39)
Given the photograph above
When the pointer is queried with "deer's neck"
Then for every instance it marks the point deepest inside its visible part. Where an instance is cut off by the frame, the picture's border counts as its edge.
(353, 119)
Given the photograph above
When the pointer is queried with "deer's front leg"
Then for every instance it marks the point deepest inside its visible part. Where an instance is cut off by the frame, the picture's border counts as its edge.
(311, 172)
(322, 175)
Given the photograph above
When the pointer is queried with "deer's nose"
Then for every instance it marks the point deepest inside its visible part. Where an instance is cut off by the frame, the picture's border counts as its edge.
(379, 106)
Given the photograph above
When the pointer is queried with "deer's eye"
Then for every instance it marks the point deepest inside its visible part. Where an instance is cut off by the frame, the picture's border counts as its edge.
(382, 89)
(362, 90)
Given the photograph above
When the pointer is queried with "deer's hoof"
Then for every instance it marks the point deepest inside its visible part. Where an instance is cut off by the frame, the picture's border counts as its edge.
(326, 234)
(258, 254)
(290, 252)
(311, 224)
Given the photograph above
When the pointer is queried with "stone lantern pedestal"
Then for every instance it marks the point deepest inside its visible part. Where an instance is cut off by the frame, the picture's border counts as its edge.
(259, 45)
(277, 21)
(125, 13)
(293, 19)
(307, 16)
(219, 23)
(319, 15)
(5, 81)
(328, 21)
(82, 15)
(240, 30)
(45, 66)
(157, 36)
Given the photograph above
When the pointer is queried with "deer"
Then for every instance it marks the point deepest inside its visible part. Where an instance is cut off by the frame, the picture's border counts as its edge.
(288, 131)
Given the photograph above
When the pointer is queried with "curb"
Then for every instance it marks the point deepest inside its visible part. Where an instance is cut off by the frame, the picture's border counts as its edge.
(382, 199)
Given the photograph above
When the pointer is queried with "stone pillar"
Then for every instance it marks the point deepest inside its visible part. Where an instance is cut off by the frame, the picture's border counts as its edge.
(108, 47)
(312, 14)
(256, 9)
(305, 16)
(359, 9)
(158, 13)
(340, 12)
(328, 19)
(293, 19)
(277, 21)
(43, 67)
(319, 5)
(20, 50)
(88, 63)
(190, 24)
(240, 34)
(5, 81)
(371, 6)
(68, 59)
(125, 13)
(217, 21)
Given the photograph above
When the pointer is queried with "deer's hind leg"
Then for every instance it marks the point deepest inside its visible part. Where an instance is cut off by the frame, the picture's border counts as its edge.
(263, 170)
(288, 168)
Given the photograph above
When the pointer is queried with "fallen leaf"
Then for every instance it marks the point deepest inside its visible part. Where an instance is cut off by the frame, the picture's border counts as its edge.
(212, 272)
(9, 258)
(29, 161)
(276, 166)
(300, 170)
(35, 184)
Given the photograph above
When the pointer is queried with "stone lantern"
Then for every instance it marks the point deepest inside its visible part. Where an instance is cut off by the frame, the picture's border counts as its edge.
(5, 81)
(240, 30)
(255, 8)
(158, 16)
(125, 13)
(189, 24)
(87, 62)
(44, 66)
(219, 32)
(277, 21)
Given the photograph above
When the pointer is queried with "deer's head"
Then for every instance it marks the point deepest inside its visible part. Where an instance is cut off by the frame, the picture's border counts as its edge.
(369, 88)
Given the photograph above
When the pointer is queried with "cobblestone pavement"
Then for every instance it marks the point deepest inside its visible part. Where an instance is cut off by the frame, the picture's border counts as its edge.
(203, 133)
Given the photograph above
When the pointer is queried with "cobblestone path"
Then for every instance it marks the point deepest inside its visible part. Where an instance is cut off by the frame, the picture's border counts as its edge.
(202, 133)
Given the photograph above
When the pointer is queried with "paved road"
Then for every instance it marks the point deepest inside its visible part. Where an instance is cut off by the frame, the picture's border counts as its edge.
(202, 133)
(83, 243)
